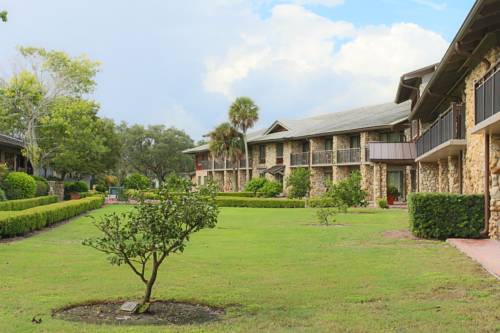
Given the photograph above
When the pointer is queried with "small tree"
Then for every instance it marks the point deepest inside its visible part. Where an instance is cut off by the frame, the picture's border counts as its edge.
(145, 237)
(348, 191)
(299, 183)
(328, 209)
(136, 181)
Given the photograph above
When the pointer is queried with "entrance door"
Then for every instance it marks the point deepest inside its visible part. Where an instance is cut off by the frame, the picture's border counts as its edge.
(395, 178)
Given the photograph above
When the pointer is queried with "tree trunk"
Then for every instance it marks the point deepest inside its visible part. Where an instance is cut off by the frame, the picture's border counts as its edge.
(150, 284)
(247, 172)
(235, 180)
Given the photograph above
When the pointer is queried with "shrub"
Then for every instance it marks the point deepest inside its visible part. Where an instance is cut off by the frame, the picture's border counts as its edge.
(271, 189)
(19, 185)
(260, 202)
(136, 181)
(255, 185)
(444, 215)
(382, 203)
(236, 194)
(299, 183)
(22, 222)
(42, 186)
(348, 191)
(111, 180)
(75, 187)
(4, 170)
(22, 204)
(3, 197)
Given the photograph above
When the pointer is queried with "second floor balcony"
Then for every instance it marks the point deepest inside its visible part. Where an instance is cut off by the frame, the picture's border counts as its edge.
(299, 159)
(349, 156)
(444, 137)
(324, 157)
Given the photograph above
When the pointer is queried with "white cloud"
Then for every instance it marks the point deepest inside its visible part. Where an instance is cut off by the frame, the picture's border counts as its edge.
(177, 116)
(432, 4)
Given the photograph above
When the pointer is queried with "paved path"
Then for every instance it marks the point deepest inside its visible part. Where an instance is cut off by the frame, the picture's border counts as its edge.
(485, 251)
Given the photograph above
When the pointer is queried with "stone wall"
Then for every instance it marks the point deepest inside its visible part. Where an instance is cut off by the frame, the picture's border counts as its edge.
(443, 175)
(340, 172)
(379, 181)
(453, 174)
(428, 177)
(494, 230)
(318, 182)
(56, 188)
(366, 171)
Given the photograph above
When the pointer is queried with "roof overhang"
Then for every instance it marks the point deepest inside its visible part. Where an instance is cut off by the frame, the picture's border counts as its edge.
(479, 33)
(410, 82)
(8, 141)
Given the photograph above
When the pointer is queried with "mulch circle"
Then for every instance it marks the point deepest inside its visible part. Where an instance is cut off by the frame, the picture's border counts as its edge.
(160, 313)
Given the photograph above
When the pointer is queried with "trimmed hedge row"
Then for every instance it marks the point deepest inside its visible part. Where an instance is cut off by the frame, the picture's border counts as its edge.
(444, 215)
(237, 194)
(22, 204)
(22, 222)
(259, 203)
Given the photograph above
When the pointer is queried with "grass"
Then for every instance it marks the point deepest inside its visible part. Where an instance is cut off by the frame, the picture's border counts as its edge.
(272, 269)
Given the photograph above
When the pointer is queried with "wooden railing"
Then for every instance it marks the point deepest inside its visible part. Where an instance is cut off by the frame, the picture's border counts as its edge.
(450, 125)
(351, 155)
(299, 159)
(322, 157)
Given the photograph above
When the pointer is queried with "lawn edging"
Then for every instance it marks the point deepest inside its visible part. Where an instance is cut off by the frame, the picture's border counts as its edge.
(21, 222)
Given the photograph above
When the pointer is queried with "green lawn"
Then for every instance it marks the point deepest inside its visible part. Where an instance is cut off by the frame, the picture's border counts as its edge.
(274, 272)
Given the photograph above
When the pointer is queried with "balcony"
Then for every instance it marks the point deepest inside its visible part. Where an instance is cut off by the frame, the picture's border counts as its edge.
(487, 103)
(402, 153)
(348, 156)
(219, 165)
(299, 159)
(204, 165)
(324, 157)
(445, 137)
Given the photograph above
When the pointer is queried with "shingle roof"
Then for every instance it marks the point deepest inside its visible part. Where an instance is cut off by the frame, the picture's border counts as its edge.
(370, 117)
(10, 141)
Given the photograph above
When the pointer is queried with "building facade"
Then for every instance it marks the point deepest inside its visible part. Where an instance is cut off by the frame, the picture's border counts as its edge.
(371, 140)
(455, 114)
(10, 154)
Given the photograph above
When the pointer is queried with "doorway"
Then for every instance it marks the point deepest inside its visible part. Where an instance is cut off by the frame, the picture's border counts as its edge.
(395, 178)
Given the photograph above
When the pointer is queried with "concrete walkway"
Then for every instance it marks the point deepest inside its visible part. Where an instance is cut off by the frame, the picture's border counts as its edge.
(485, 251)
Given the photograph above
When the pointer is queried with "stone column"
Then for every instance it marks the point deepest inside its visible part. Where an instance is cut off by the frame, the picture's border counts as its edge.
(56, 188)
(453, 174)
(443, 175)
(494, 223)
(366, 171)
(428, 177)
(379, 181)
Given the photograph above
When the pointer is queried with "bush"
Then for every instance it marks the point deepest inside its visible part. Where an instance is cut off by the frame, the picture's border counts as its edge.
(19, 185)
(382, 203)
(101, 188)
(271, 189)
(255, 185)
(328, 209)
(23, 204)
(299, 183)
(4, 170)
(111, 180)
(42, 186)
(136, 181)
(75, 187)
(237, 194)
(22, 222)
(348, 191)
(260, 202)
(3, 197)
(444, 215)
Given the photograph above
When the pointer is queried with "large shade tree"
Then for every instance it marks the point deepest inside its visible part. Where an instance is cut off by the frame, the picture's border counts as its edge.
(243, 114)
(28, 95)
(227, 143)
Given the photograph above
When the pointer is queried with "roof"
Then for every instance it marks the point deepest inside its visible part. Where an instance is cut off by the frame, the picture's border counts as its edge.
(391, 152)
(479, 33)
(382, 116)
(411, 81)
(6, 140)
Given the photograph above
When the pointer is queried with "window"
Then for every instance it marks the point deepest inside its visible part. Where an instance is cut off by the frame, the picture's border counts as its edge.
(354, 142)
(305, 147)
(279, 153)
(328, 144)
(392, 137)
(262, 154)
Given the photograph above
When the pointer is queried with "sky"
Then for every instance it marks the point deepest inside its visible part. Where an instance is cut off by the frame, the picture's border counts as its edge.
(182, 62)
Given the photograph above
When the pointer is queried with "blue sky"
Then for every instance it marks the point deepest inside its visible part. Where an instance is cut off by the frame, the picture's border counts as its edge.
(181, 63)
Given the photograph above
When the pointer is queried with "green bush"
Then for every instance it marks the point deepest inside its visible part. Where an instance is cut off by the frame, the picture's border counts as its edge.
(299, 183)
(382, 203)
(4, 170)
(136, 181)
(75, 187)
(348, 191)
(259, 202)
(3, 197)
(271, 189)
(22, 222)
(237, 194)
(22, 204)
(255, 185)
(19, 185)
(445, 215)
(101, 188)
(42, 186)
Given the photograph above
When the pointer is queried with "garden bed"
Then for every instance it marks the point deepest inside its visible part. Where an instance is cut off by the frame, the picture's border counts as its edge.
(160, 313)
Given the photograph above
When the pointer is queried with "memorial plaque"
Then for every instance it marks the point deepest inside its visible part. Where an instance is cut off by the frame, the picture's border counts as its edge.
(129, 307)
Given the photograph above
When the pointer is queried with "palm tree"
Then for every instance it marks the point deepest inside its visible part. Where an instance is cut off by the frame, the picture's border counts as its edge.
(227, 142)
(243, 114)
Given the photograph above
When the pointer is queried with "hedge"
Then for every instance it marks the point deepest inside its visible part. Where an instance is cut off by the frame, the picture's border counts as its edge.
(22, 222)
(237, 194)
(444, 215)
(23, 204)
(259, 203)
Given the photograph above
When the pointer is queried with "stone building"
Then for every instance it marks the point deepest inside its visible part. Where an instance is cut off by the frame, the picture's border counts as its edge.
(371, 140)
(455, 114)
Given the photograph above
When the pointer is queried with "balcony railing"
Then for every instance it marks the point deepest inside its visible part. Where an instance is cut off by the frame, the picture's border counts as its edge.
(347, 156)
(219, 165)
(487, 101)
(204, 165)
(299, 159)
(322, 157)
(450, 125)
